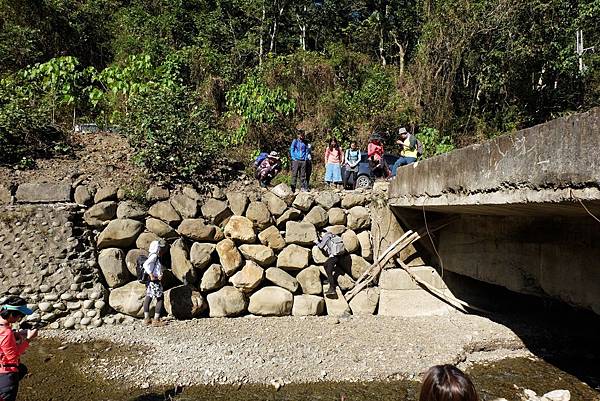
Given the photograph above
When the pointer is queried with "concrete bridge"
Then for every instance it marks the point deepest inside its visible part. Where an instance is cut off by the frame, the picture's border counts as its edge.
(525, 204)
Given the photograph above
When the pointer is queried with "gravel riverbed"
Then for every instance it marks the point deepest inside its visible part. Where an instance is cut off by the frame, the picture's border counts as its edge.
(291, 349)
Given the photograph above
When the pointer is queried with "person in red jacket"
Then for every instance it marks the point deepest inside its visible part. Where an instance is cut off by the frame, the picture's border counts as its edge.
(375, 154)
(12, 345)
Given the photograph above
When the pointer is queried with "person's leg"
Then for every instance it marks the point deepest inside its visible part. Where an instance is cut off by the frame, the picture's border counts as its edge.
(308, 173)
(147, 301)
(9, 386)
(330, 265)
(294, 174)
(395, 166)
(302, 168)
(159, 306)
(347, 173)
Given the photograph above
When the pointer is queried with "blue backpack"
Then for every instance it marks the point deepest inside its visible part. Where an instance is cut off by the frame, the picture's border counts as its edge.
(260, 158)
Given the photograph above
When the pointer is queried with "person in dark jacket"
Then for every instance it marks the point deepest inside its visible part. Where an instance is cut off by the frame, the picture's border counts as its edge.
(268, 169)
(299, 155)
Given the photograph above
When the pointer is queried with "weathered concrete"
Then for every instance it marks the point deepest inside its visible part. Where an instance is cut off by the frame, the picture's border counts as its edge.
(520, 202)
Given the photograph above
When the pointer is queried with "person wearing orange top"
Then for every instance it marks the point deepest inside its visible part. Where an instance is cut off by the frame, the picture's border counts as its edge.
(375, 154)
(12, 345)
(334, 158)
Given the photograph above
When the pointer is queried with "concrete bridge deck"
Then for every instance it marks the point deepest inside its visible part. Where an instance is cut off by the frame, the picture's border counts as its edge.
(520, 200)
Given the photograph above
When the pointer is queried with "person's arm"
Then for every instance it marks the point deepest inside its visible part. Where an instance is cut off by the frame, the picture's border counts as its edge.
(327, 153)
(341, 154)
(292, 149)
(346, 157)
(371, 149)
(149, 266)
(11, 350)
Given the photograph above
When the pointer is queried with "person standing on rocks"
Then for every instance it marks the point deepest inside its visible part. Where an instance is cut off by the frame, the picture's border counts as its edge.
(154, 288)
(334, 158)
(333, 246)
(352, 159)
(12, 345)
(299, 155)
(447, 383)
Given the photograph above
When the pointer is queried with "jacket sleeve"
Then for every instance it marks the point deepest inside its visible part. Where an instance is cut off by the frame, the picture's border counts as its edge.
(149, 263)
(327, 153)
(346, 153)
(10, 349)
(370, 149)
(292, 146)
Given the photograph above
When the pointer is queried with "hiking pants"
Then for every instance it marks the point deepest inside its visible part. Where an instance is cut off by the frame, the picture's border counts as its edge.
(9, 383)
(330, 269)
(308, 172)
(350, 172)
(299, 171)
(402, 161)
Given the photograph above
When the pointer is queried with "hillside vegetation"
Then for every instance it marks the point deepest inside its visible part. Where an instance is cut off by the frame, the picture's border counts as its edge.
(192, 81)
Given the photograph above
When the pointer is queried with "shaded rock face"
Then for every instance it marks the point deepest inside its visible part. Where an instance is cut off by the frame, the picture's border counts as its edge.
(237, 202)
(216, 211)
(272, 238)
(112, 264)
(271, 301)
(227, 302)
(165, 211)
(185, 206)
(131, 210)
(160, 228)
(328, 199)
(259, 214)
(181, 266)
(201, 254)
(183, 302)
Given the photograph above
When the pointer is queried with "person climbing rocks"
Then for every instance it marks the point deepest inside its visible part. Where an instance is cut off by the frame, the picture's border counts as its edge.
(154, 289)
(268, 169)
(12, 345)
(409, 151)
(299, 155)
(333, 246)
(447, 383)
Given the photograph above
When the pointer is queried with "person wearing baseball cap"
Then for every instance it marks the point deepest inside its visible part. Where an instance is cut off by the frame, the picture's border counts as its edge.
(12, 345)
(408, 153)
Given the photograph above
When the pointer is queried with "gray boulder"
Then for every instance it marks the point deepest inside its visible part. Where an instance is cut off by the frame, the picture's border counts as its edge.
(131, 259)
(328, 199)
(112, 264)
(308, 305)
(131, 210)
(365, 302)
(310, 280)
(247, 279)
(300, 233)
(259, 214)
(99, 213)
(337, 230)
(355, 265)
(283, 191)
(128, 299)
(83, 195)
(281, 279)
(272, 238)
(359, 218)
(201, 254)
(353, 199)
(351, 242)
(271, 301)
(181, 266)
(293, 257)
(229, 256)
(155, 194)
(237, 202)
(261, 254)
(119, 233)
(216, 211)
(212, 279)
(196, 230)
(290, 214)
(303, 201)
(145, 239)
(336, 216)
(366, 249)
(183, 302)
(227, 302)
(165, 212)
(105, 194)
(317, 216)
(275, 204)
(185, 206)
(160, 228)
(240, 229)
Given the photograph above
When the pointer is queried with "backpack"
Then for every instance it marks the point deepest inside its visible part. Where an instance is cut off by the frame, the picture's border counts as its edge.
(419, 148)
(335, 245)
(142, 276)
(262, 156)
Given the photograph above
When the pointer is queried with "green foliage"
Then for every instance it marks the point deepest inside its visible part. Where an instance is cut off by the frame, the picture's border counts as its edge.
(434, 143)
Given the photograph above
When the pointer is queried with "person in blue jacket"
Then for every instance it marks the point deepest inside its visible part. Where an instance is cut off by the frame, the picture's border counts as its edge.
(299, 156)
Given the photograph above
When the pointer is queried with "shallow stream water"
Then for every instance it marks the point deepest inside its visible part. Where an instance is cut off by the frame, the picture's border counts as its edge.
(55, 375)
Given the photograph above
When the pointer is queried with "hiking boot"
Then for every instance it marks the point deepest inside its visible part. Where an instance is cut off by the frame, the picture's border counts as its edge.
(330, 292)
(147, 321)
(158, 323)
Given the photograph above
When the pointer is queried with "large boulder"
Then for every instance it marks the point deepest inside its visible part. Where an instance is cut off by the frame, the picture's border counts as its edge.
(365, 302)
(112, 264)
(318, 255)
(240, 229)
(353, 199)
(131, 210)
(104, 194)
(355, 265)
(281, 279)
(228, 301)
(261, 254)
(83, 196)
(293, 257)
(344, 281)
(271, 301)
(237, 202)
(336, 216)
(310, 280)
(196, 230)
(184, 205)
(184, 302)
(308, 305)
(290, 214)
(259, 214)
(201, 254)
(328, 199)
(272, 238)
(131, 259)
(229, 256)
(99, 213)
(181, 266)
(303, 233)
(119, 233)
(275, 204)
(351, 242)
(160, 228)
(359, 218)
(145, 239)
(317, 216)
(337, 306)
(283, 191)
(366, 250)
(303, 201)
(337, 230)
(247, 279)
(155, 194)
(212, 279)
(128, 299)
(165, 212)
(216, 211)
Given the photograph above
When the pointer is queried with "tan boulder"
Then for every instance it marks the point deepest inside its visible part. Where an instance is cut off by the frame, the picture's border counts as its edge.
(290, 214)
(366, 249)
(216, 210)
(281, 279)
(112, 265)
(181, 266)
(283, 191)
(145, 239)
(308, 305)
(120, 233)
(303, 233)
(131, 210)
(184, 302)
(108, 193)
(237, 202)
(337, 306)
(293, 257)
(165, 212)
(100, 213)
(160, 228)
(261, 254)
(337, 230)
(310, 280)
(201, 254)
(212, 279)
(272, 238)
(229, 256)
(328, 199)
(259, 214)
(359, 218)
(317, 216)
(247, 279)
(271, 301)
(185, 206)
(240, 229)
(365, 302)
(303, 201)
(82, 196)
(318, 255)
(196, 230)
(227, 302)
(355, 265)
(336, 216)
(351, 242)
(155, 194)
(128, 299)
(131, 260)
(353, 199)
(275, 204)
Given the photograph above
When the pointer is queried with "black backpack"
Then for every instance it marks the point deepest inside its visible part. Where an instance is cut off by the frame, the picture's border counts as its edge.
(142, 276)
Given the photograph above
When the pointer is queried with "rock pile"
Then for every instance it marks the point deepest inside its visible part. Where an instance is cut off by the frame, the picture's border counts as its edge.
(233, 254)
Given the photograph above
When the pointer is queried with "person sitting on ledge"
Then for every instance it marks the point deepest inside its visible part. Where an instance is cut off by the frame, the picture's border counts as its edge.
(447, 383)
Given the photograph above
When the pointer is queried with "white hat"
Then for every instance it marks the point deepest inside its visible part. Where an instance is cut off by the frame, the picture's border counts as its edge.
(402, 130)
